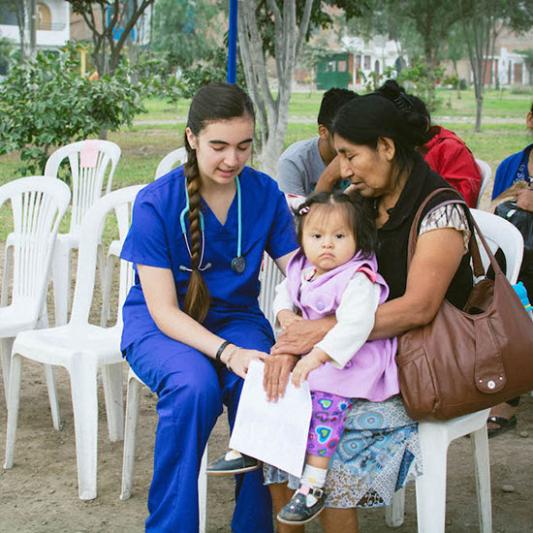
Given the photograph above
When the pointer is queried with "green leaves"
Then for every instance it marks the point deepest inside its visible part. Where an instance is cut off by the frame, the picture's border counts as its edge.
(46, 103)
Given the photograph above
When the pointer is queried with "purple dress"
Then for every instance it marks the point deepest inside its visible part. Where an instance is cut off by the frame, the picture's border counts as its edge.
(371, 373)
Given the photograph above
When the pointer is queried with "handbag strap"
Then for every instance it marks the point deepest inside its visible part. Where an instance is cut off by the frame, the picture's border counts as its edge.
(473, 248)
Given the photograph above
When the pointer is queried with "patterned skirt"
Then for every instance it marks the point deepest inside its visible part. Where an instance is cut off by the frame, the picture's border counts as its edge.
(377, 454)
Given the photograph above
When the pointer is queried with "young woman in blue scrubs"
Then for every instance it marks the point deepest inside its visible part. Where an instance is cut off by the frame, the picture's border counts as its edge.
(192, 323)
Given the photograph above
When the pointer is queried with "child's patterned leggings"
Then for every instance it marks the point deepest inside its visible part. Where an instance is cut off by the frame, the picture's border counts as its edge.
(327, 423)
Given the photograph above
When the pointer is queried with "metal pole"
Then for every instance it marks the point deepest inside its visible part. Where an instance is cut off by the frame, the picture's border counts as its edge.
(232, 42)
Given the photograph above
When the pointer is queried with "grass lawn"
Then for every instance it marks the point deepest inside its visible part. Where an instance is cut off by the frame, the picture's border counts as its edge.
(143, 145)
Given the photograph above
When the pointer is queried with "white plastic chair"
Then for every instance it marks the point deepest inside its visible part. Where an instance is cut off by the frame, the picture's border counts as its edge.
(82, 348)
(435, 437)
(269, 277)
(89, 161)
(170, 161)
(132, 414)
(37, 204)
(486, 174)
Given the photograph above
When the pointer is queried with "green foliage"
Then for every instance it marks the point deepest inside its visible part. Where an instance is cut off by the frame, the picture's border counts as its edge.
(5, 53)
(451, 81)
(156, 76)
(320, 17)
(45, 103)
(213, 68)
(419, 79)
(183, 30)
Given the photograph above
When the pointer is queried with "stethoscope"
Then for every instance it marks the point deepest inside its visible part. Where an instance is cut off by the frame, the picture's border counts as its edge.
(238, 263)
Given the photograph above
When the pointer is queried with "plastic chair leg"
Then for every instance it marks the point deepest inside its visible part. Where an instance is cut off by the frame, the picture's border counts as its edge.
(480, 448)
(13, 408)
(85, 407)
(202, 492)
(431, 486)
(6, 345)
(114, 403)
(52, 396)
(7, 274)
(61, 281)
(132, 413)
(394, 513)
(107, 280)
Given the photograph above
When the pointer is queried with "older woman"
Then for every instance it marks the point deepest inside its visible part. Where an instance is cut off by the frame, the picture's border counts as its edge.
(378, 452)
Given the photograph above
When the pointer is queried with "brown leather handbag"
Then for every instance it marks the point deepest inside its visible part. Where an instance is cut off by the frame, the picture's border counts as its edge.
(471, 359)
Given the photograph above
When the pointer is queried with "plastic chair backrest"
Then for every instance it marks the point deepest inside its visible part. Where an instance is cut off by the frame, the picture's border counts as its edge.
(486, 174)
(121, 202)
(499, 233)
(269, 276)
(88, 161)
(170, 161)
(38, 204)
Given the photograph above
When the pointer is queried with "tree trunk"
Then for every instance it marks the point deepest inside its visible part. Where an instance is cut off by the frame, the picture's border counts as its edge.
(479, 112)
(33, 28)
(478, 32)
(456, 72)
(272, 114)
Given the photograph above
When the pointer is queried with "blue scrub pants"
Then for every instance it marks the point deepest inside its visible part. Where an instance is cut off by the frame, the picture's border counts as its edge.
(192, 390)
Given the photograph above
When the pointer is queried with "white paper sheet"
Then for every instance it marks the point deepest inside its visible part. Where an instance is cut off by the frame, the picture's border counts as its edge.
(275, 433)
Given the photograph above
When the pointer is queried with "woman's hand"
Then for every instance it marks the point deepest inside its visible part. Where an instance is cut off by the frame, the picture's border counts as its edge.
(276, 375)
(301, 336)
(286, 318)
(313, 360)
(238, 359)
(524, 199)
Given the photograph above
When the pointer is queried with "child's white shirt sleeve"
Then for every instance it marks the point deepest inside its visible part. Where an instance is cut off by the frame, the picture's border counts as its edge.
(355, 320)
(282, 300)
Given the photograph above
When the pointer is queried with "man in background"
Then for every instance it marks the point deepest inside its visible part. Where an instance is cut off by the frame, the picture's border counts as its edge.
(313, 162)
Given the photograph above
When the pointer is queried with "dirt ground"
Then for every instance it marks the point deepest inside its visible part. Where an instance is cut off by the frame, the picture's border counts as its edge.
(39, 495)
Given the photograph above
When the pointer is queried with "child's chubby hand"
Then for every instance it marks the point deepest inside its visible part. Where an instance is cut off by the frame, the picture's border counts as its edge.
(286, 317)
(313, 360)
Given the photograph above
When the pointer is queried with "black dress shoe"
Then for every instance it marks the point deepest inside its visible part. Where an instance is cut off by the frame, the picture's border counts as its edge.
(237, 465)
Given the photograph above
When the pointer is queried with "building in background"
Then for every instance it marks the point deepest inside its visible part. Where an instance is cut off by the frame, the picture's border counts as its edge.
(508, 66)
(53, 24)
(358, 63)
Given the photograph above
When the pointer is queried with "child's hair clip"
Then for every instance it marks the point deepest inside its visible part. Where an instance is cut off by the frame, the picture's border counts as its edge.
(303, 210)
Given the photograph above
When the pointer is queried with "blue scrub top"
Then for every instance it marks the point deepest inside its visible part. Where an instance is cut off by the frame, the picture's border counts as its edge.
(156, 239)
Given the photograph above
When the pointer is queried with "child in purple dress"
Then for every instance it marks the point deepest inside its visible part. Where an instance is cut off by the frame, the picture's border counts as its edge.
(334, 273)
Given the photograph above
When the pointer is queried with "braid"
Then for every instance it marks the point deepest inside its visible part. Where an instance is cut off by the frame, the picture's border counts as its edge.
(197, 299)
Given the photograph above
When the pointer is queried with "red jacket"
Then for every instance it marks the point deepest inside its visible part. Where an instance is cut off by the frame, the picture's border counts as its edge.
(449, 157)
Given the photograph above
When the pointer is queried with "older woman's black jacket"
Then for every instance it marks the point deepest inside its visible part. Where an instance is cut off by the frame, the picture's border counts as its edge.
(393, 236)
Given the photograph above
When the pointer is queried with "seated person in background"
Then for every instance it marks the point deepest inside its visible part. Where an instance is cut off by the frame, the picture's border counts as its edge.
(514, 181)
(516, 170)
(306, 162)
(443, 150)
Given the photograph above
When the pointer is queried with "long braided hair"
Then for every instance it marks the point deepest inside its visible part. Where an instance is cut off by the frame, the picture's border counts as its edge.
(213, 102)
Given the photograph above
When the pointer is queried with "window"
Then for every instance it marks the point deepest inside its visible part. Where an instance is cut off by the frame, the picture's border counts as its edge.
(44, 17)
(367, 63)
(341, 66)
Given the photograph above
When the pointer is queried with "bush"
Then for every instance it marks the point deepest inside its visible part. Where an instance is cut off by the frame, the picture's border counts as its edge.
(212, 69)
(45, 103)
(420, 80)
(157, 77)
